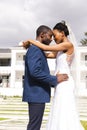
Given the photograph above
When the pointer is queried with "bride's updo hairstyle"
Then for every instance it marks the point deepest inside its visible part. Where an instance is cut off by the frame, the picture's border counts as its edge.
(62, 27)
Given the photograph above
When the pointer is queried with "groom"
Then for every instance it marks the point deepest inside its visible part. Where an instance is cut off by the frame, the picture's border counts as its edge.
(37, 79)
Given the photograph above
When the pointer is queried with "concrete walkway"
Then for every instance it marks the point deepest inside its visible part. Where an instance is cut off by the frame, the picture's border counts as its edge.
(15, 114)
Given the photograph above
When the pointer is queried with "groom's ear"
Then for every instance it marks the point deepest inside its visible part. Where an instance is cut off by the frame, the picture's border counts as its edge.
(42, 35)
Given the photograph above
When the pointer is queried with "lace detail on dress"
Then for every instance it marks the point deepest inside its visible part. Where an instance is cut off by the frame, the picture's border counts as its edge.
(69, 58)
(63, 62)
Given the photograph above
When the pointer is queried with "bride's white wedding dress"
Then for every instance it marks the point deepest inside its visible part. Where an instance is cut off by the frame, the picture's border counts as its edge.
(63, 114)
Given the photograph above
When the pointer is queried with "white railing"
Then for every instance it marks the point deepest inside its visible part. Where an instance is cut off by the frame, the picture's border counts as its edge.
(5, 70)
(83, 63)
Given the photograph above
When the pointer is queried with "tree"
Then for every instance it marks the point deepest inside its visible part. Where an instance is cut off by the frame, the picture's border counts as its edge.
(84, 41)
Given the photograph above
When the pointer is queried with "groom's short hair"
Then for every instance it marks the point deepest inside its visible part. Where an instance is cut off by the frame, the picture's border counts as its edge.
(43, 29)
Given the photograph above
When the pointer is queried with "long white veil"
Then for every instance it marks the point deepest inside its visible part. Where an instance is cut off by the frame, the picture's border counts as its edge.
(73, 64)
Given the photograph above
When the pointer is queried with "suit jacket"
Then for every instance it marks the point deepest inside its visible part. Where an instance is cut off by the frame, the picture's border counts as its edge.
(37, 78)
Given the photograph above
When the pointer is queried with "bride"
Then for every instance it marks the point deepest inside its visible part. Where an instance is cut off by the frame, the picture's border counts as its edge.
(63, 114)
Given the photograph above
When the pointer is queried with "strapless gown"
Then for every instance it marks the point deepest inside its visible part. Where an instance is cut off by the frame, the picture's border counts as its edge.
(63, 114)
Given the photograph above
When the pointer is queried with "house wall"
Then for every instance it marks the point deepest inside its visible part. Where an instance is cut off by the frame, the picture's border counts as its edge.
(82, 71)
(13, 74)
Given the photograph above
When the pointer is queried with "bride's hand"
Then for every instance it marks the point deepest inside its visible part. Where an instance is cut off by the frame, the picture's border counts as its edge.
(25, 44)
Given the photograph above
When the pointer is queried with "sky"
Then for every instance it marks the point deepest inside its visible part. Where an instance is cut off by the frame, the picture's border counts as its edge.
(19, 19)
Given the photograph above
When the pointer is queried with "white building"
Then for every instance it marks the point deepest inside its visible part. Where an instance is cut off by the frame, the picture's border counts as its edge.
(12, 70)
(5, 67)
(82, 70)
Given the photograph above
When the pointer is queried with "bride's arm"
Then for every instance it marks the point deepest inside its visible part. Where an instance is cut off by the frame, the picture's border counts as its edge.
(48, 54)
(57, 47)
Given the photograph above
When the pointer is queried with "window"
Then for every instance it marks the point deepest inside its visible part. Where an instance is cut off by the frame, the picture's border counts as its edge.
(18, 76)
(83, 76)
(23, 57)
(86, 60)
(5, 62)
(85, 57)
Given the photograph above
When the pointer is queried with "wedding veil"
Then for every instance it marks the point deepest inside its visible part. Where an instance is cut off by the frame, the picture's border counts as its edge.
(73, 66)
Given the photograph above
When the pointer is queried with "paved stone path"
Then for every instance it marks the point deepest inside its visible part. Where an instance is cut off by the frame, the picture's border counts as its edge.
(82, 107)
(16, 115)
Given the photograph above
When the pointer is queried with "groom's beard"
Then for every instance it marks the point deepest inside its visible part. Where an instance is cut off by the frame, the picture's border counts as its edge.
(47, 42)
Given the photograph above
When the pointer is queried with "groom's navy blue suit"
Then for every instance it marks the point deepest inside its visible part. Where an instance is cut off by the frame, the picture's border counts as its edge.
(37, 83)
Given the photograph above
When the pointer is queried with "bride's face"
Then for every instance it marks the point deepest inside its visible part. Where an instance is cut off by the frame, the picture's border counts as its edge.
(58, 36)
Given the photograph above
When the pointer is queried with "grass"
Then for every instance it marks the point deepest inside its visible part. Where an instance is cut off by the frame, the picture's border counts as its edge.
(1, 119)
(84, 123)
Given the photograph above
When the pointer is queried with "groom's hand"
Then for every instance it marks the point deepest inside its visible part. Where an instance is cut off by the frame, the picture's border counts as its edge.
(62, 77)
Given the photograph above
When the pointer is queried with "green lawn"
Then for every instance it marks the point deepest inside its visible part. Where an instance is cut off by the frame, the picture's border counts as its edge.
(1, 119)
(84, 123)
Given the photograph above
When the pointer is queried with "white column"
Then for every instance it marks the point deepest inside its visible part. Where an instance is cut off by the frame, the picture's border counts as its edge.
(13, 62)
